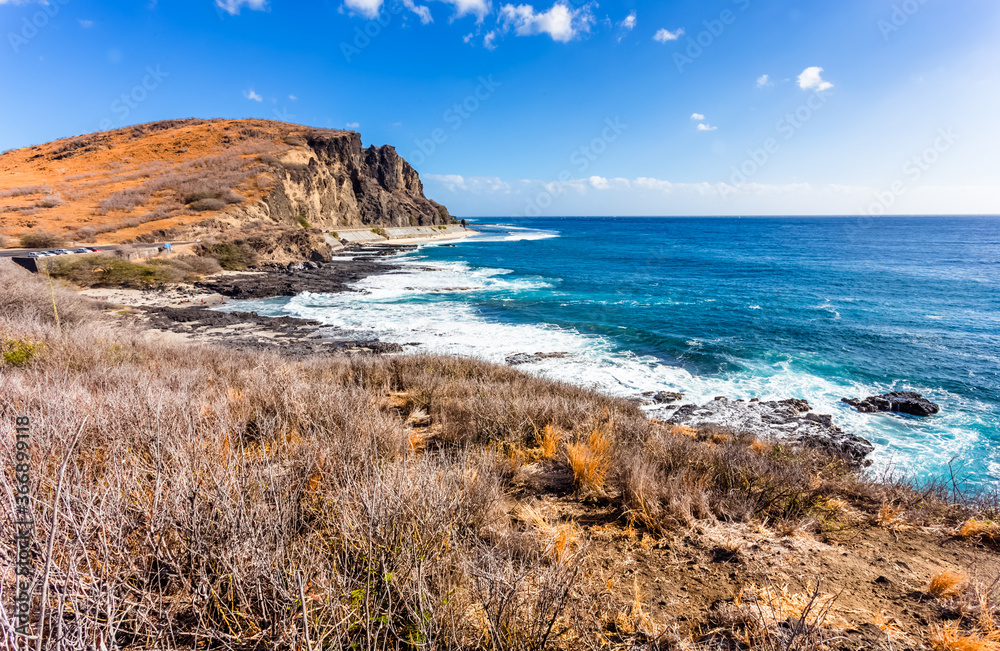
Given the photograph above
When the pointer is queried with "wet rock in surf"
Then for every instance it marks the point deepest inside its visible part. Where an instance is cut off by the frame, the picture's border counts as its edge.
(903, 402)
(790, 421)
(663, 397)
(528, 358)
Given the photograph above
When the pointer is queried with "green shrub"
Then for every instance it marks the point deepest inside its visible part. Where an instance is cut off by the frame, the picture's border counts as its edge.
(378, 230)
(107, 271)
(232, 256)
(303, 222)
(202, 205)
(18, 353)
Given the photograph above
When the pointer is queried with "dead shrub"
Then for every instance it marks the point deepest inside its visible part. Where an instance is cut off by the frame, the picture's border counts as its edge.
(42, 239)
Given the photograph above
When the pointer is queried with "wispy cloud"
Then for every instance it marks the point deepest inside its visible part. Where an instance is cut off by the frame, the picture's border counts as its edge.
(664, 35)
(353, 125)
(232, 7)
(86, 24)
(811, 79)
(250, 94)
(706, 127)
(477, 8)
(764, 81)
(629, 22)
(367, 8)
(697, 116)
(423, 12)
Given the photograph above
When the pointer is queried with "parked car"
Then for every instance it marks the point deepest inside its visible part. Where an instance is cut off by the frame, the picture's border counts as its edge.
(83, 249)
(62, 252)
(35, 254)
(93, 249)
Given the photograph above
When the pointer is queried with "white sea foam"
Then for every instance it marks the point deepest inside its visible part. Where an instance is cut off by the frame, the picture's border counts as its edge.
(507, 233)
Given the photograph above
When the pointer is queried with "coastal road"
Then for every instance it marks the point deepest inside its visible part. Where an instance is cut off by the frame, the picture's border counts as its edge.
(19, 253)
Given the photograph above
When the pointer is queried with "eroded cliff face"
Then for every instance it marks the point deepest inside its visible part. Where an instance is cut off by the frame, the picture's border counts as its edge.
(331, 182)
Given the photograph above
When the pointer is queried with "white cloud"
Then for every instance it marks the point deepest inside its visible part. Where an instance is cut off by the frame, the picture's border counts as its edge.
(811, 79)
(233, 7)
(560, 22)
(646, 183)
(706, 127)
(468, 37)
(367, 8)
(629, 22)
(476, 184)
(250, 94)
(353, 125)
(292, 97)
(477, 8)
(488, 41)
(697, 116)
(764, 81)
(86, 24)
(665, 35)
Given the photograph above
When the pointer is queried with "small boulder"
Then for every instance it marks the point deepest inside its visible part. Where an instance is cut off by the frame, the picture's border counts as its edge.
(665, 397)
(902, 402)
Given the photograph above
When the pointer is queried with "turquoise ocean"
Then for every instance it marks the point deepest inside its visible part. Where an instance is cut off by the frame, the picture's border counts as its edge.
(812, 308)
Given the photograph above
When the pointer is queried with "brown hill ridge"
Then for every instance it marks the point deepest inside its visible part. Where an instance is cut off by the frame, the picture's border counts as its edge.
(209, 179)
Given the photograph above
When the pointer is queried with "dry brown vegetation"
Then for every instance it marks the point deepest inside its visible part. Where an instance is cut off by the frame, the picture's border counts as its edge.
(119, 185)
(217, 499)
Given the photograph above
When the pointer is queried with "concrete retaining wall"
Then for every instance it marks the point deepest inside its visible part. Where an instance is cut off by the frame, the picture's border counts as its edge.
(359, 236)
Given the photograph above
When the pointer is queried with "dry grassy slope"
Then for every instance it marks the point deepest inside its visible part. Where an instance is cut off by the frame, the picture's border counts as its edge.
(412, 502)
(205, 178)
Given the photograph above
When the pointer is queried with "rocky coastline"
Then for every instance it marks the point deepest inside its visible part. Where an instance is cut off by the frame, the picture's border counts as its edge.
(197, 317)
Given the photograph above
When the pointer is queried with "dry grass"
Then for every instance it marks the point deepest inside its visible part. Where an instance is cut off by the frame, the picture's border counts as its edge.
(550, 439)
(590, 461)
(950, 637)
(981, 530)
(946, 584)
(217, 499)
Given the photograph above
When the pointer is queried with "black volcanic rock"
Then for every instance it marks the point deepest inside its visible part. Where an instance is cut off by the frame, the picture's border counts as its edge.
(790, 421)
(903, 402)
(663, 397)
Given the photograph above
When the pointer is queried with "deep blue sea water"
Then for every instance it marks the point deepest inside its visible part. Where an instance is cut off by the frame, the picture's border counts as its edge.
(813, 308)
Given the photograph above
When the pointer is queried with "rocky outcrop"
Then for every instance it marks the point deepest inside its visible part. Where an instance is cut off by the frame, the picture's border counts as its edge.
(791, 421)
(330, 181)
(903, 402)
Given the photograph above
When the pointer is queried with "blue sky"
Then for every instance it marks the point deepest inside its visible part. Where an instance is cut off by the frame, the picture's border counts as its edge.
(721, 107)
